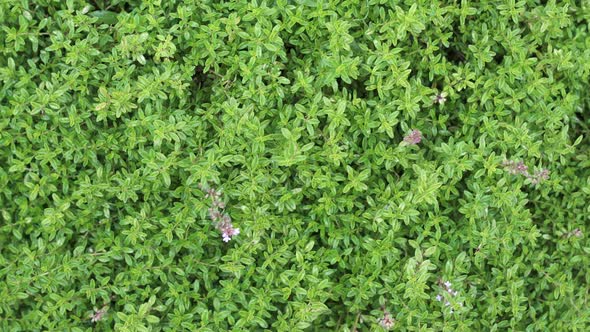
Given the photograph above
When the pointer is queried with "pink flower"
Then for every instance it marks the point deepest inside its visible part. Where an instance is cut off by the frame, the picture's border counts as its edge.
(387, 321)
(214, 214)
(221, 219)
(219, 204)
(227, 230)
(516, 167)
(520, 168)
(414, 137)
(227, 234)
(576, 232)
(440, 98)
(540, 176)
(98, 314)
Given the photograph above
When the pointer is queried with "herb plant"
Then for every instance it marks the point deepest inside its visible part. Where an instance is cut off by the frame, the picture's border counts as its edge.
(294, 165)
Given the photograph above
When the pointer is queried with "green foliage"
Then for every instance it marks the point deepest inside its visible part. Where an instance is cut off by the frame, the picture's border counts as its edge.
(113, 115)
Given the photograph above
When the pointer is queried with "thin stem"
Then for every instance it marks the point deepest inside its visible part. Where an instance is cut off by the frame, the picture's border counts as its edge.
(356, 321)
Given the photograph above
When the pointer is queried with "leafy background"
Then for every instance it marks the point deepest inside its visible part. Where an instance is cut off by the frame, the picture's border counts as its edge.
(113, 113)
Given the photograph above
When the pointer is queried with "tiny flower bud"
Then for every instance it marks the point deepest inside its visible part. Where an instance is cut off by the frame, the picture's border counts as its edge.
(414, 137)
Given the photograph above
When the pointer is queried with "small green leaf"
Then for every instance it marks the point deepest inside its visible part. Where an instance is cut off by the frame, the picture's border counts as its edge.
(104, 17)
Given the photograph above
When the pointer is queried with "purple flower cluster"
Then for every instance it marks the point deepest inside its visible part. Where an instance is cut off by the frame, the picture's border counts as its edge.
(539, 176)
(217, 214)
(448, 292)
(386, 321)
(98, 314)
(519, 168)
(414, 137)
(516, 167)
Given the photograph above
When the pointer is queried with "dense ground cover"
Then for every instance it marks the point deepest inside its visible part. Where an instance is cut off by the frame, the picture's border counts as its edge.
(418, 165)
